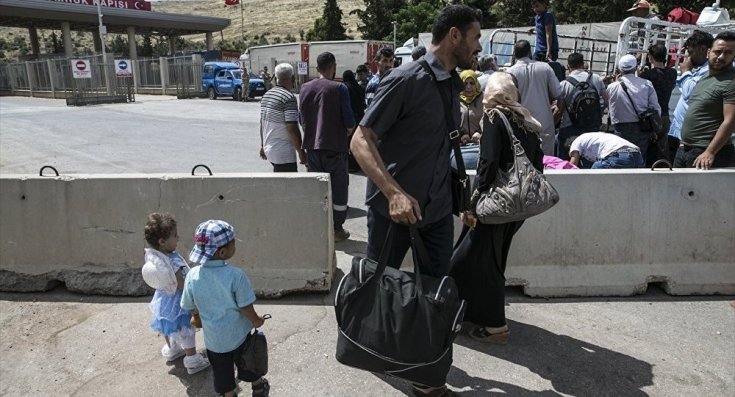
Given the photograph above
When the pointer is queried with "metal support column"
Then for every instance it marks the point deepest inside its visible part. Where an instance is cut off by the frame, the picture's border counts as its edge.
(68, 46)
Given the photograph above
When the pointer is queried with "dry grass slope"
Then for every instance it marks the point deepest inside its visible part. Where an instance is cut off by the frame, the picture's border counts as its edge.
(276, 17)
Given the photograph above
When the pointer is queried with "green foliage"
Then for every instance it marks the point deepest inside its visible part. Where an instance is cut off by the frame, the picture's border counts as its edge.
(378, 15)
(146, 50)
(488, 18)
(161, 48)
(316, 33)
(414, 19)
(119, 45)
(277, 40)
(289, 38)
(54, 44)
(329, 26)
(237, 45)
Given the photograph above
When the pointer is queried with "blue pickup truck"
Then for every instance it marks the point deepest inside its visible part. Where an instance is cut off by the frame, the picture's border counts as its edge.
(224, 78)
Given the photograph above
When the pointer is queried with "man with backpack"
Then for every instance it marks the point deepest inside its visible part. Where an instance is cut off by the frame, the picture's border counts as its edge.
(582, 91)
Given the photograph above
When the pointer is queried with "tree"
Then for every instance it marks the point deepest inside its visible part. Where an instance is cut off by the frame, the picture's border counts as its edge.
(377, 16)
(119, 45)
(54, 44)
(289, 38)
(488, 19)
(146, 50)
(414, 19)
(513, 13)
(329, 26)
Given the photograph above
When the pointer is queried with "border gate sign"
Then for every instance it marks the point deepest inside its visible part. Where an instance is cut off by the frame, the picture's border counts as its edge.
(123, 68)
(302, 68)
(80, 69)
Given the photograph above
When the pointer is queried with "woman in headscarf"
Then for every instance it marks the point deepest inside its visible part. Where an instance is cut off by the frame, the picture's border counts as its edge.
(470, 102)
(480, 256)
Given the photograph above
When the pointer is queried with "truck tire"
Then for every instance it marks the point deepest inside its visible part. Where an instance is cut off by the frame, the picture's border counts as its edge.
(211, 94)
(237, 95)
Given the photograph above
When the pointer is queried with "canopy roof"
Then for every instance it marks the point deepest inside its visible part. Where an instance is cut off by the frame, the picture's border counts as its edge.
(44, 14)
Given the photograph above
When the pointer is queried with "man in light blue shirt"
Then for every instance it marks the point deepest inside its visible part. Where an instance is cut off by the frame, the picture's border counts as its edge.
(692, 68)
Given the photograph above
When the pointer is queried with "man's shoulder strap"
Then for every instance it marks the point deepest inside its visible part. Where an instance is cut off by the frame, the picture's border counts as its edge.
(425, 65)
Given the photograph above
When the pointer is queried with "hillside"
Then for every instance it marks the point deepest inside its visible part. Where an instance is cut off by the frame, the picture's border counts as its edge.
(276, 17)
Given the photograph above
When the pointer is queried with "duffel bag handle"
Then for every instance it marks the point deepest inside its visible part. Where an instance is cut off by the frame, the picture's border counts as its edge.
(420, 255)
(418, 249)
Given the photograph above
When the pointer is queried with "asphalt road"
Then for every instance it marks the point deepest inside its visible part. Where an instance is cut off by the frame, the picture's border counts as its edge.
(63, 344)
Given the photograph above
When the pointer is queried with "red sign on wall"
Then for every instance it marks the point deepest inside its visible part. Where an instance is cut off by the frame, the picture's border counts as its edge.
(127, 4)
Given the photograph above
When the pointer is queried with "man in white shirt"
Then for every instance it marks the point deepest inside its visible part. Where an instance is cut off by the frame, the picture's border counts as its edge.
(623, 114)
(538, 87)
(605, 150)
(280, 137)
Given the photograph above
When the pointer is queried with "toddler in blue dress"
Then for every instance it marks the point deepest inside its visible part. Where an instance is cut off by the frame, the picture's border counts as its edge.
(165, 270)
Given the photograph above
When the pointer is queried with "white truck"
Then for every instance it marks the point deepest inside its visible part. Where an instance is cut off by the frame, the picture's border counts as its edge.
(348, 53)
(256, 58)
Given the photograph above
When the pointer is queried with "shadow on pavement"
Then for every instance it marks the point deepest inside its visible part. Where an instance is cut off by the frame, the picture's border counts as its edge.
(352, 247)
(353, 213)
(471, 386)
(199, 384)
(574, 367)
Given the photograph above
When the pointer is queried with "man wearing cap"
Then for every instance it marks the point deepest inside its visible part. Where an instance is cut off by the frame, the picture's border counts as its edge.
(710, 121)
(222, 296)
(640, 9)
(625, 107)
(327, 119)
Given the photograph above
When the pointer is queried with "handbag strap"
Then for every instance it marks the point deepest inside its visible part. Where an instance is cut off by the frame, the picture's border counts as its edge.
(453, 132)
(625, 88)
(518, 150)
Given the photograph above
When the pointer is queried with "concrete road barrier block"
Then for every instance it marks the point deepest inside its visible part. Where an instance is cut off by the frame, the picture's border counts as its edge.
(87, 230)
(613, 232)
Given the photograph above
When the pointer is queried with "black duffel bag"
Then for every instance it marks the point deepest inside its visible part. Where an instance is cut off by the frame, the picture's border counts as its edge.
(397, 323)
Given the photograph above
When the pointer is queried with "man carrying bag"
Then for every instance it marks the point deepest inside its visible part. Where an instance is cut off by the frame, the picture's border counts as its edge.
(402, 144)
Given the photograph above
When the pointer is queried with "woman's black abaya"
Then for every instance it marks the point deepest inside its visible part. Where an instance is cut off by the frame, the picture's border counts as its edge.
(481, 254)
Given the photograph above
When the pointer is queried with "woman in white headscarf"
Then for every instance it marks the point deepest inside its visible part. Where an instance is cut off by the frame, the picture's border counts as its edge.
(480, 256)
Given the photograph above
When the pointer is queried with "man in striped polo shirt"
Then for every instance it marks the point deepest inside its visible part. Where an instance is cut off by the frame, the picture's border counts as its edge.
(280, 137)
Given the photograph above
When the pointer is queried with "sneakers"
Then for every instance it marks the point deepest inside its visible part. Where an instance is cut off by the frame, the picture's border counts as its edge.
(341, 235)
(173, 352)
(195, 363)
(261, 388)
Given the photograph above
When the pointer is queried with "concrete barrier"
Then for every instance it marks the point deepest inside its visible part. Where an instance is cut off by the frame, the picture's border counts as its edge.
(614, 232)
(87, 230)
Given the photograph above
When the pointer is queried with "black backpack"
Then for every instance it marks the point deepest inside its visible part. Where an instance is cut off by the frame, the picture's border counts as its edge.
(584, 107)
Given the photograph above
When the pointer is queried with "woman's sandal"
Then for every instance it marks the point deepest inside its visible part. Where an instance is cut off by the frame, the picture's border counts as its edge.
(433, 392)
(481, 334)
